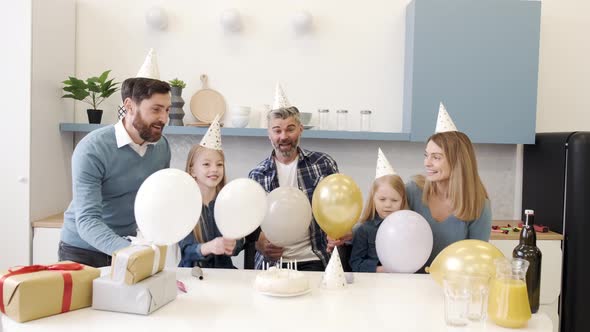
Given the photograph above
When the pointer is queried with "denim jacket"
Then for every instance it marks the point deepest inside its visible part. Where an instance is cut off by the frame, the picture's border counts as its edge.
(190, 248)
(364, 253)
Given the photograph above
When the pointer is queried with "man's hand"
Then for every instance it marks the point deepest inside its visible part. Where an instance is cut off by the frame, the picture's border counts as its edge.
(337, 242)
(269, 250)
(218, 246)
(229, 246)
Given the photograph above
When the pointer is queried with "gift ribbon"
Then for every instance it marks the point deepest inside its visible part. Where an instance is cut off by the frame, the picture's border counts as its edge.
(155, 248)
(63, 268)
(122, 258)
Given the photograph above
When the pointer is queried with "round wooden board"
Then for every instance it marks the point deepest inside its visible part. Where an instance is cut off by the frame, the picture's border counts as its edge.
(207, 103)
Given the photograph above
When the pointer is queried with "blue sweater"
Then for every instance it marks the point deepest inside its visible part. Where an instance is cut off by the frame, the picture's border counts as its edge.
(364, 253)
(452, 229)
(105, 180)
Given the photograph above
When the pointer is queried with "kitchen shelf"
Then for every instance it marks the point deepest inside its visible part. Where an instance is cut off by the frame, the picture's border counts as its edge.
(255, 132)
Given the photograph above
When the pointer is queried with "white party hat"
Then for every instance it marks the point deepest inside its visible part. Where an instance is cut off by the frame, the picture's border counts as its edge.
(281, 100)
(212, 138)
(383, 166)
(334, 278)
(149, 69)
(444, 122)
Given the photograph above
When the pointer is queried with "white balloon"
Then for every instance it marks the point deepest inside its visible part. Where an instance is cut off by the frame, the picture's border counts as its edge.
(231, 20)
(156, 18)
(302, 21)
(239, 208)
(404, 242)
(167, 206)
(288, 216)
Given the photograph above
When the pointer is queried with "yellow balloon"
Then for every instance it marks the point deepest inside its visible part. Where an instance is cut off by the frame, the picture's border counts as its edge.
(337, 204)
(465, 257)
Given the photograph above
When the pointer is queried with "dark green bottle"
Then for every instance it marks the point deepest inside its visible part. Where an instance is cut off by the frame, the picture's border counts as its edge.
(527, 249)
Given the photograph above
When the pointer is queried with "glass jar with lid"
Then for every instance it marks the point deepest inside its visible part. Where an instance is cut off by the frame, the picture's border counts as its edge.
(342, 119)
(365, 120)
(324, 118)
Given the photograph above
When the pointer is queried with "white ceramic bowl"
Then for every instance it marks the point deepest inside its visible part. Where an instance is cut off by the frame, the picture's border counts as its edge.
(240, 121)
(240, 110)
(305, 118)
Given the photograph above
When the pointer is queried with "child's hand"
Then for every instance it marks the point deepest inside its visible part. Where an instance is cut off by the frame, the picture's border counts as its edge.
(380, 269)
(337, 242)
(229, 246)
(215, 247)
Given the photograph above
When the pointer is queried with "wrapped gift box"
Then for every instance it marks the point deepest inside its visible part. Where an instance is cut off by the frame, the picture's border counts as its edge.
(142, 298)
(137, 262)
(37, 291)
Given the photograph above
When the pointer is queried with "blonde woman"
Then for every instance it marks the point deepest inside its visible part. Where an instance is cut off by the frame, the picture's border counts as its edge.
(451, 196)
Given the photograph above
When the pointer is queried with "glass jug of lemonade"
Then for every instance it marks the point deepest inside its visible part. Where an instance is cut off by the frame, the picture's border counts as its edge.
(508, 304)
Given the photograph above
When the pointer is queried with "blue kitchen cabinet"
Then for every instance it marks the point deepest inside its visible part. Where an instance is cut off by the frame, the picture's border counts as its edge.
(481, 59)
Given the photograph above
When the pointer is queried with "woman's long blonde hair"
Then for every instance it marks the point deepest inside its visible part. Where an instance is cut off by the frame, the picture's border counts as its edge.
(396, 183)
(192, 155)
(466, 191)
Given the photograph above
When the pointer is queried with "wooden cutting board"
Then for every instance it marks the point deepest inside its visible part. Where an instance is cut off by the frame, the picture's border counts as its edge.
(207, 103)
(200, 124)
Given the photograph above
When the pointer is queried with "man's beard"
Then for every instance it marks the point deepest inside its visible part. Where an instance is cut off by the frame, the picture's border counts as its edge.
(289, 153)
(144, 129)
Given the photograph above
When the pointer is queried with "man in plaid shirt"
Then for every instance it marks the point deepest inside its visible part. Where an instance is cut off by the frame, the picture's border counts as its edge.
(290, 165)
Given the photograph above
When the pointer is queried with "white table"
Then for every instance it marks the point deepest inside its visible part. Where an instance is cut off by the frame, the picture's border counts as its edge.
(226, 301)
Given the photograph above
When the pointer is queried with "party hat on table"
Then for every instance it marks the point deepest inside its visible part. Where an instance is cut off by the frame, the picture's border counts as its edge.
(333, 277)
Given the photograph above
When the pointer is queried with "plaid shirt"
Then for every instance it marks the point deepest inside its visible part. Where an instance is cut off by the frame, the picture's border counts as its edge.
(312, 167)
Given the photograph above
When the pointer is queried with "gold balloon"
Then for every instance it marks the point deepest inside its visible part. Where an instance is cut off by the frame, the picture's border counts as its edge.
(337, 204)
(465, 257)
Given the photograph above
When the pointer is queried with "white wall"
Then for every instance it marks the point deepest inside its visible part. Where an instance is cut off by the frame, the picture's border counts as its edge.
(15, 92)
(352, 60)
(53, 59)
(564, 67)
(36, 169)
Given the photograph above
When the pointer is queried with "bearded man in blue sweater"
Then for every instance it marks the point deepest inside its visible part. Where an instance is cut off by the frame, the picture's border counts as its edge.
(108, 167)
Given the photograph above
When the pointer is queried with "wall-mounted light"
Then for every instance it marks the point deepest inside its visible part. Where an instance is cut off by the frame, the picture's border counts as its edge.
(302, 21)
(231, 20)
(156, 18)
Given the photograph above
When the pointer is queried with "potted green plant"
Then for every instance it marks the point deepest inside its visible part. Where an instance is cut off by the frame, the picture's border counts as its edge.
(93, 91)
(176, 113)
(176, 83)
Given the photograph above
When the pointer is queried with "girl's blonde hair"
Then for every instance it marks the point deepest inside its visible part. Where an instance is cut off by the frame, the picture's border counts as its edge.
(396, 183)
(192, 155)
(466, 191)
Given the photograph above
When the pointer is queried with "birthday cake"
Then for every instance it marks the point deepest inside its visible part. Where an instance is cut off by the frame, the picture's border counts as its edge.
(281, 282)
